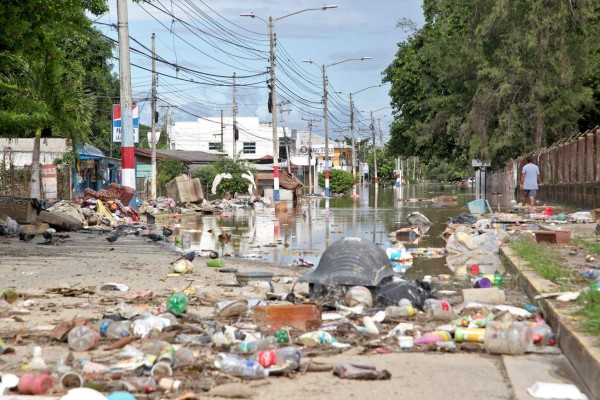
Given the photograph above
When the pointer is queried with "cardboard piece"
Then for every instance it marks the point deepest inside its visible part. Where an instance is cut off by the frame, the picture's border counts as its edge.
(185, 190)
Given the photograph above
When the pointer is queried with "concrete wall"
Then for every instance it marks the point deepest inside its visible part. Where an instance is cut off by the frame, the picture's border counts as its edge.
(19, 151)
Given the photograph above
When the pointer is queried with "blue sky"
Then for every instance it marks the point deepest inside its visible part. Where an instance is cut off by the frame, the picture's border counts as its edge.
(203, 43)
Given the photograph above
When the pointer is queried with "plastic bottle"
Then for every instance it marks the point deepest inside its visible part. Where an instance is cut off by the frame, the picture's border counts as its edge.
(251, 347)
(118, 329)
(35, 384)
(435, 304)
(82, 338)
(438, 314)
(469, 335)
(370, 327)
(433, 337)
(37, 362)
(503, 337)
(284, 357)
(177, 303)
(235, 365)
(140, 384)
(102, 326)
(184, 356)
(542, 335)
(399, 311)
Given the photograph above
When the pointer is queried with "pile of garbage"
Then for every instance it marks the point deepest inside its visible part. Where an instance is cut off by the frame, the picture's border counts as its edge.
(354, 300)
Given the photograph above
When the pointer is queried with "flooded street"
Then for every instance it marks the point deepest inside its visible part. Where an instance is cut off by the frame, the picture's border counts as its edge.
(304, 231)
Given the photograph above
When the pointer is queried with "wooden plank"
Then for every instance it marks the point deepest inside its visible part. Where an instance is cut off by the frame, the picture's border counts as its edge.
(581, 159)
(589, 158)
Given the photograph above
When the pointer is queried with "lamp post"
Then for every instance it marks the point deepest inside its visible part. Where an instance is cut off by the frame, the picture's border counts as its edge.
(270, 22)
(325, 112)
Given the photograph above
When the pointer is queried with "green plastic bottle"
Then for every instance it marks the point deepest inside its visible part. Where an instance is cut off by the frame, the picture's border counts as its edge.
(177, 303)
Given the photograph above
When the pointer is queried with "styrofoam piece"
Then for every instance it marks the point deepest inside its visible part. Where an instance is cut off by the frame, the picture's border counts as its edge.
(548, 390)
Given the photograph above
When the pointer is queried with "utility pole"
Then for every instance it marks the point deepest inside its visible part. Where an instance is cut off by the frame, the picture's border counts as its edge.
(310, 125)
(235, 130)
(127, 153)
(287, 143)
(222, 127)
(167, 116)
(353, 146)
(153, 135)
(325, 111)
(274, 113)
(375, 178)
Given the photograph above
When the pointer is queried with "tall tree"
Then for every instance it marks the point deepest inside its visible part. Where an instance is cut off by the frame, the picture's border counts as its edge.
(41, 86)
(493, 79)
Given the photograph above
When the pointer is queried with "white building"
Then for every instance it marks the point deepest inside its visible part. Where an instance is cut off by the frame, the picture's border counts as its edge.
(19, 151)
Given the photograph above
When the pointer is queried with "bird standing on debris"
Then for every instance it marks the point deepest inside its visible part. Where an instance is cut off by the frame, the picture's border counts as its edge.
(597, 231)
(26, 237)
(189, 256)
(224, 238)
(167, 232)
(113, 238)
(155, 237)
(48, 234)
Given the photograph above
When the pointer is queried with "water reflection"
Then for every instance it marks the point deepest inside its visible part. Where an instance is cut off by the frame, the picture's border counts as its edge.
(306, 229)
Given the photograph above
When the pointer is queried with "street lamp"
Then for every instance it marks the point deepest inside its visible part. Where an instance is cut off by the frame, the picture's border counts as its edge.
(325, 116)
(270, 23)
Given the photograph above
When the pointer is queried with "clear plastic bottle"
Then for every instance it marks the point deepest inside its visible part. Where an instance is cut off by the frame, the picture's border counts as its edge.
(438, 310)
(118, 329)
(542, 335)
(184, 356)
(289, 357)
(434, 337)
(102, 326)
(234, 364)
(177, 303)
(251, 347)
(82, 338)
(400, 311)
(503, 337)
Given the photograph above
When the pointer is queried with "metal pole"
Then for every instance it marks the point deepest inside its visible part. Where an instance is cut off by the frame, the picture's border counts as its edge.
(222, 126)
(310, 179)
(274, 114)
(375, 179)
(127, 153)
(153, 135)
(326, 131)
(352, 129)
(234, 122)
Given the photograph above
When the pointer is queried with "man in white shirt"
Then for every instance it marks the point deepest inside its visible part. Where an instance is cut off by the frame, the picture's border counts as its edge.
(529, 181)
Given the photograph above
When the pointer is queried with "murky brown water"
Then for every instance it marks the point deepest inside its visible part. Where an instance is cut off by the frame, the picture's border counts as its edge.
(305, 230)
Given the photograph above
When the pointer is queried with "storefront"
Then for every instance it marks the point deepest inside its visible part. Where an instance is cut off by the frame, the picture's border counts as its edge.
(94, 170)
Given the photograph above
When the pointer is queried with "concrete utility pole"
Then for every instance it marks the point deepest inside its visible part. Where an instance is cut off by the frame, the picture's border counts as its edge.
(287, 143)
(153, 135)
(326, 119)
(353, 145)
(310, 124)
(127, 153)
(235, 134)
(222, 127)
(167, 116)
(375, 178)
(272, 85)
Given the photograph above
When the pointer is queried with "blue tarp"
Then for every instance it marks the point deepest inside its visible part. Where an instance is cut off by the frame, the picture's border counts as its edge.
(89, 152)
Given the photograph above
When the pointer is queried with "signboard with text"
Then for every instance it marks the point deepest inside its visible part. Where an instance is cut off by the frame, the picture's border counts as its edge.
(315, 150)
(117, 126)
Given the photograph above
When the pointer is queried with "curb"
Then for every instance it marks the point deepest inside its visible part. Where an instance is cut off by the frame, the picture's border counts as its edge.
(578, 348)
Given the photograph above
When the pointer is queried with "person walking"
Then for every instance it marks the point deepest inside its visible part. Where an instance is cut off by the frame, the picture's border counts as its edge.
(529, 182)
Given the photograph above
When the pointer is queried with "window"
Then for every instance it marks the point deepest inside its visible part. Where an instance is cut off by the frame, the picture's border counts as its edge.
(249, 147)
(214, 146)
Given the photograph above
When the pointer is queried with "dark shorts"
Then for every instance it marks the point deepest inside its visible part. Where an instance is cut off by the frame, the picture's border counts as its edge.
(530, 193)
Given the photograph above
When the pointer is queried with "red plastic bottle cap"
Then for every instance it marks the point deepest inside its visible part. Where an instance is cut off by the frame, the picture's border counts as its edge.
(474, 269)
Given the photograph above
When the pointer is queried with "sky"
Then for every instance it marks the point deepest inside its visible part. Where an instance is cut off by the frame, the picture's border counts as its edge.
(201, 44)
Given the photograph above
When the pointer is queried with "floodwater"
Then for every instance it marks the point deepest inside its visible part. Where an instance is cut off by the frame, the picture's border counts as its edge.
(303, 231)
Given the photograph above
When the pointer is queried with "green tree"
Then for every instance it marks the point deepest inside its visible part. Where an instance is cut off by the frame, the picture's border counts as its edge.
(168, 168)
(42, 88)
(339, 181)
(237, 168)
(493, 79)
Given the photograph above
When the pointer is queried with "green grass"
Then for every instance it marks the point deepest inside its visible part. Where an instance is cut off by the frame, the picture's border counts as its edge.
(590, 310)
(544, 259)
(591, 247)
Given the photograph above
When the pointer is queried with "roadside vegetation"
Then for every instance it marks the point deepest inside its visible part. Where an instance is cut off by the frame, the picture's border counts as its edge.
(591, 247)
(590, 310)
(545, 260)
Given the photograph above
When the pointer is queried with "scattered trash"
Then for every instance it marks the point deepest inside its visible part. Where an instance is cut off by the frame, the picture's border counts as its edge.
(361, 370)
(547, 390)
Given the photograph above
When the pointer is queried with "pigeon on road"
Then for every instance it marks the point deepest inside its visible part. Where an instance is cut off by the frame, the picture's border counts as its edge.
(26, 237)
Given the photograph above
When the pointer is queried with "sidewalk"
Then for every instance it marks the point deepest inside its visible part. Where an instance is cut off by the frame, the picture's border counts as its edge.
(579, 348)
